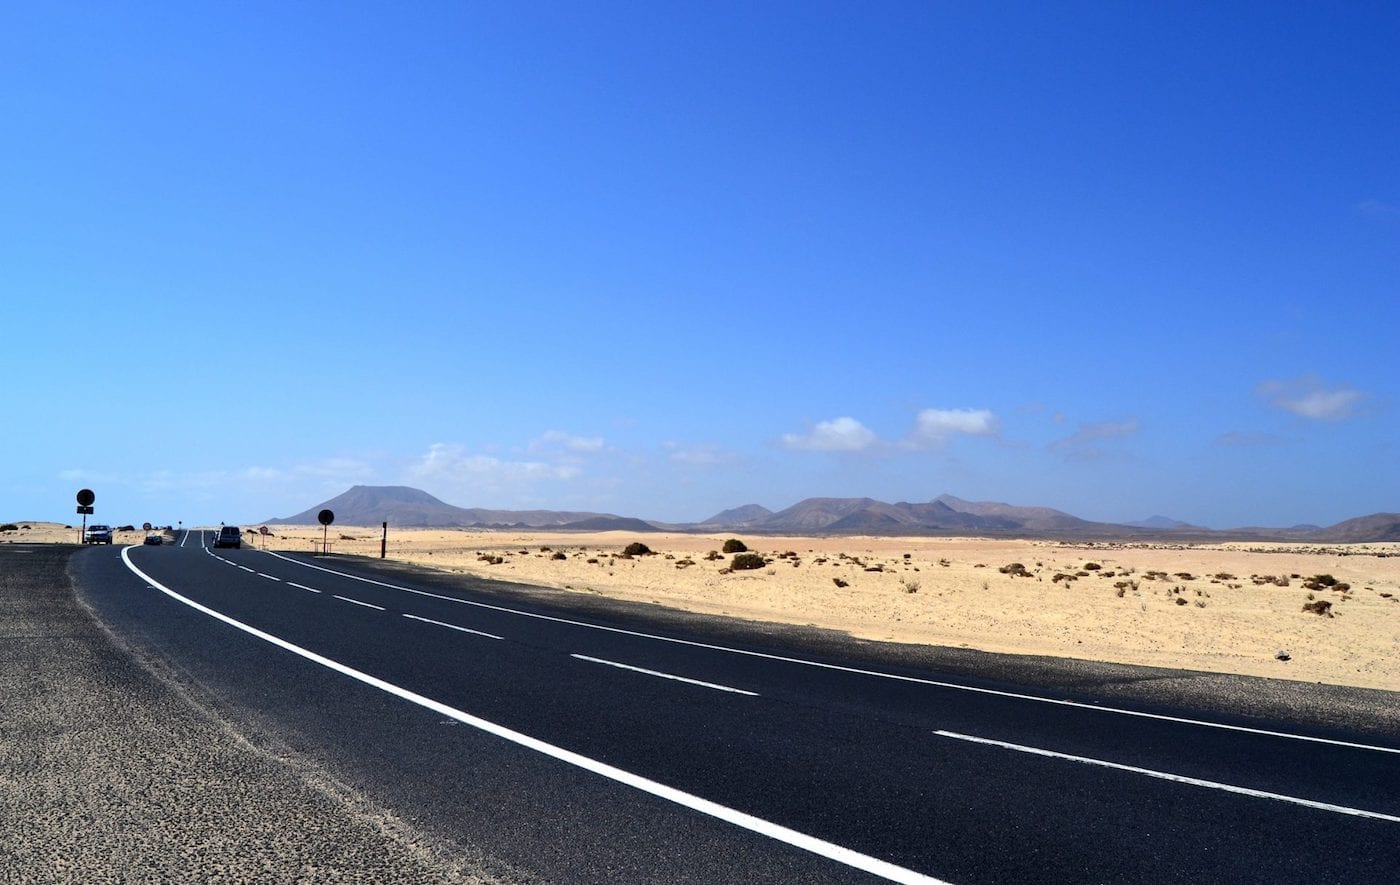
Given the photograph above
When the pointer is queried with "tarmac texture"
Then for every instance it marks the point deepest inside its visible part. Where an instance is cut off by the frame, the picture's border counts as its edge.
(110, 773)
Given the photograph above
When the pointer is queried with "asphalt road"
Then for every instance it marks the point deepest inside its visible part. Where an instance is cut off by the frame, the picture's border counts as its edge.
(577, 740)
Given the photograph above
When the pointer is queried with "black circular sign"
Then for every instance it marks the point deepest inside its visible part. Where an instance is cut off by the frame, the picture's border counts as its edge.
(86, 497)
(326, 517)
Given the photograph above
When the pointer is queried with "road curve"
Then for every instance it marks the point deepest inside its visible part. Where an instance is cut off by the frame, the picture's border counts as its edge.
(597, 742)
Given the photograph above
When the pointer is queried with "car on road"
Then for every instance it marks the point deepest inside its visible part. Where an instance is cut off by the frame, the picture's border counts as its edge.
(154, 539)
(229, 536)
(98, 534)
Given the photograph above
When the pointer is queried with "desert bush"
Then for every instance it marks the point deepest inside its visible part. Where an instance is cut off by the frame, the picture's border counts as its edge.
(910, 586)
(1321, 607)
(712, 556)
(637, 548)
(734, 545)
(1181, 600)
(559, 555)
(9, 527)
(746, 561)
(1092, 566)
(1015, 570)
(840, 583)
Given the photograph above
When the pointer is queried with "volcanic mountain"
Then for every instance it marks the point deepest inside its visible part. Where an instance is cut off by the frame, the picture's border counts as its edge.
(413, 508)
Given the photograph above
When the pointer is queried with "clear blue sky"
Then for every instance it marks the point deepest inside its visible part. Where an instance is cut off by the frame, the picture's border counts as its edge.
(662, 259)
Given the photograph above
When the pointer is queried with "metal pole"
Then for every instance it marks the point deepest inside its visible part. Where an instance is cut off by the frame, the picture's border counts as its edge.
(384, 541)
(82, 532)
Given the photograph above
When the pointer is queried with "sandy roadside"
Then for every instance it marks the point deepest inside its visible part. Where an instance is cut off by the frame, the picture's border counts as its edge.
(1226, 608)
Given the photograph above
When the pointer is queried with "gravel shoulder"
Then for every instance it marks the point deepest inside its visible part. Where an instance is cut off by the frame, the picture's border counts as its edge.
(109, 772)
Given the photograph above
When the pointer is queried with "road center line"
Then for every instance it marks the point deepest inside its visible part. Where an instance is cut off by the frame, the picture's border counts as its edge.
(859, 671)
(820, 847)
(454, 627)
(245, 568)
(302, 587)
(357, 602)
(1177, 778)
(752, 694)
(269, 577)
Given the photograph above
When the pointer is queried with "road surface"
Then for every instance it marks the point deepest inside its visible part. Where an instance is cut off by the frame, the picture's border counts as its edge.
(576, 741)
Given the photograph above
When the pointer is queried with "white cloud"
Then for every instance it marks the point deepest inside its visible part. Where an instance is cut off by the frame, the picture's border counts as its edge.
(557, 439)
(934, 427)
(836, 435)
(1308, 397)
(449, 462)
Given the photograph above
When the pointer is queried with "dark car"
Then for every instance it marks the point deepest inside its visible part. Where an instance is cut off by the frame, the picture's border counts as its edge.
(228, 536)
(154, 539)
(98, 534)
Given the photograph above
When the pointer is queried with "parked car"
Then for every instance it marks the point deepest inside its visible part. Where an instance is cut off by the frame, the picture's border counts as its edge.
(98, 534)
(154, 539)
(228, 536)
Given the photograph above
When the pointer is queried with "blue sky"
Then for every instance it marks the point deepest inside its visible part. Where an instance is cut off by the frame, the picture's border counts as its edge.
(665, 259)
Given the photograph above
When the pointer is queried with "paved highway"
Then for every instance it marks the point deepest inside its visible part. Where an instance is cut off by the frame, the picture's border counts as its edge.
(571, 740)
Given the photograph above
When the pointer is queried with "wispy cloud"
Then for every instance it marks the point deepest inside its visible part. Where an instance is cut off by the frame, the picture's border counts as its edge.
(934, 427)
(451, 463)
(1083, 443)
(1241, 439)
(1309, 397)
(699, 456)
(1378, 209)
(836, 435)
(554, 440)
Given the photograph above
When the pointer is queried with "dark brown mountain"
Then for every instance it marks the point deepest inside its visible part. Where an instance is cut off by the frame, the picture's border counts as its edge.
(1371, 529)
(409, 507)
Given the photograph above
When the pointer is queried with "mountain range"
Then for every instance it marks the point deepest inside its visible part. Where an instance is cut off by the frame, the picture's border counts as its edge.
(944, 515)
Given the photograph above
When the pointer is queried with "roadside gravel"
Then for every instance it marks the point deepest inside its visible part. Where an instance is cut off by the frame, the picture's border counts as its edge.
(108, 773)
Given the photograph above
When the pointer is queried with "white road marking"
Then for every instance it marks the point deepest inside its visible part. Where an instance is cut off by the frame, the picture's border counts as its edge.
(1177, 778)
(862, 672)
(357, 602)
(302, 587)
(245, 568)
(454, 627)
(752, 694)
(820, 847)
(269, 577)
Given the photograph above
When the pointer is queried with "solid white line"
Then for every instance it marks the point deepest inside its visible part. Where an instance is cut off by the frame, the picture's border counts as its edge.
(454, 627)
(862, 672)
(752, 694)
(357, 602)
(1177, 778)
(302, 587)
(269, 577)
(748, 822)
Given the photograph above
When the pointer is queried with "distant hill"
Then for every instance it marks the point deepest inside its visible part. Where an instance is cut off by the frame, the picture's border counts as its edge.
(739, 516)
(944, 515)
(1371, 529)
(413, 508)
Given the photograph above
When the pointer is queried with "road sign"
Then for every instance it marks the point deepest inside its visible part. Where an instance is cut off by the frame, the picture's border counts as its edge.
(326, 517)
(86, 497)
(85, 509)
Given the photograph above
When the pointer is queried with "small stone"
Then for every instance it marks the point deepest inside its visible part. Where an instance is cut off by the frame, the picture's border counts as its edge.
(1282, 655)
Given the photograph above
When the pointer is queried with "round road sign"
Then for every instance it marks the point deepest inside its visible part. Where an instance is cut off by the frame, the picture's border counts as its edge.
(326, 517)
(86, 497)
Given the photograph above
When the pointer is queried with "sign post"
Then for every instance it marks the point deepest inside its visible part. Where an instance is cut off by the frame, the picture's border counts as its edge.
(85, 499)
(325, 517)
(384, 541)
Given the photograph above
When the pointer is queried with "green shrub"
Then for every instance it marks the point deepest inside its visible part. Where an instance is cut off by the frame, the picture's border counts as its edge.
(744, 561)
(734, 545)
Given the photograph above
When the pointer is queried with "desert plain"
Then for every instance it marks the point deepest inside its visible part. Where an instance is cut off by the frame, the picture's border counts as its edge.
(1225, 608)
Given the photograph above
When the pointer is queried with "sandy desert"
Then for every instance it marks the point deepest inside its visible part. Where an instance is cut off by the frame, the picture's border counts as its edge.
(1229, 608)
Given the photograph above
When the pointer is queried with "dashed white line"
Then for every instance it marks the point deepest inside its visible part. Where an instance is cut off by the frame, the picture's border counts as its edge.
(1177, 778)
(812, 844)
(454, 627)
(269, 577)
(302, 586)
(357, 602)
(245, 568)
(752, 694)
(1160, 717)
